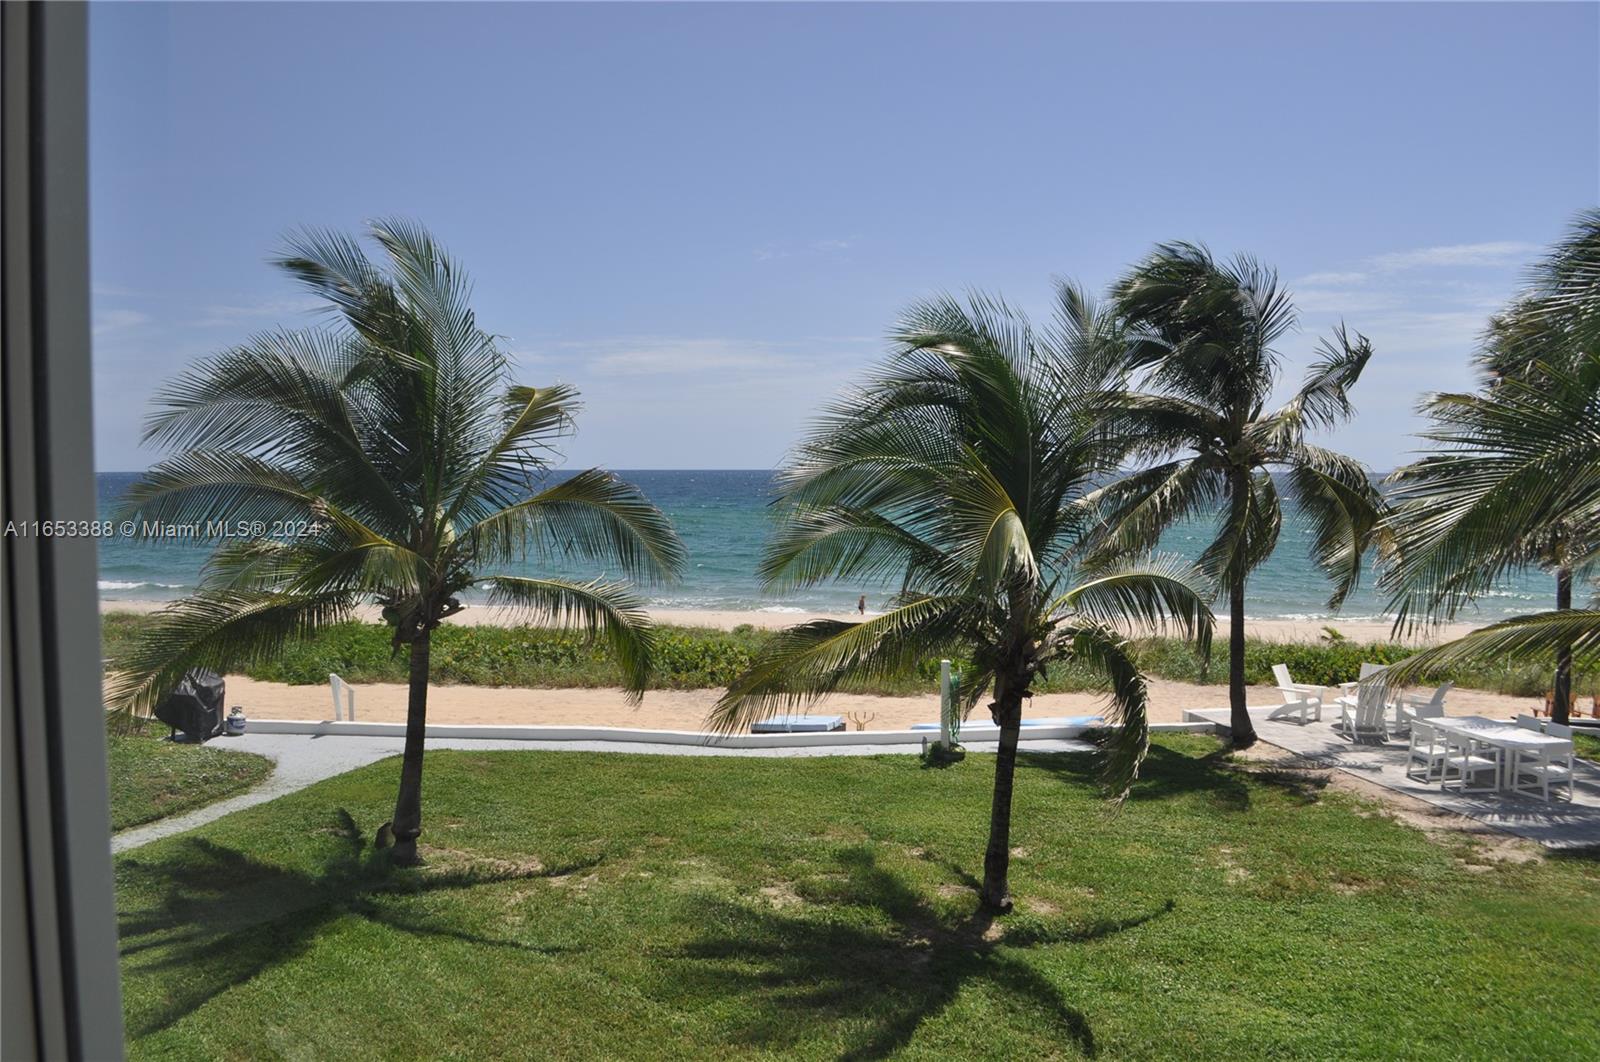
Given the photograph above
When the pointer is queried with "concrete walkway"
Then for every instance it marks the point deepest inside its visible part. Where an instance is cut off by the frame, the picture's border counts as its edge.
(1557, 824)
(300, 760)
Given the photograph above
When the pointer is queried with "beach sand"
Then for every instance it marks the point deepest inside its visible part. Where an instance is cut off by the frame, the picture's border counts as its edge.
(1278, 630)
(687, 709)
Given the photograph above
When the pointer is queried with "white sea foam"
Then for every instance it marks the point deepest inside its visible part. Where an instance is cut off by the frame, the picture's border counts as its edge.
(114, 584)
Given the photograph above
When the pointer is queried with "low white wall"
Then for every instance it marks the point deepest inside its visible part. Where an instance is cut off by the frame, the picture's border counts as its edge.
(683, 737)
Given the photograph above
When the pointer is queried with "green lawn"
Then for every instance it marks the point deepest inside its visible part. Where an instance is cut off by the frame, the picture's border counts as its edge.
(623, 906)
(1586, 745)
(152, 778)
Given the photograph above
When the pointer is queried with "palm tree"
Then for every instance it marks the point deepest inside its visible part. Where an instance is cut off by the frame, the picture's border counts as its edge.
(959, 469)
(389, 458)
(1513, 481)
(1201, 334)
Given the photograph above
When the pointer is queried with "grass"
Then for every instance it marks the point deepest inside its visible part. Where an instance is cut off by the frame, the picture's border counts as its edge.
(1586, 745)
(630, 906)
(152, 778)
(699, 657)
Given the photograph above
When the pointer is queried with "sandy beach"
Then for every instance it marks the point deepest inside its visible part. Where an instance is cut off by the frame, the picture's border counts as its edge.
(687, 709)
(1278, 630)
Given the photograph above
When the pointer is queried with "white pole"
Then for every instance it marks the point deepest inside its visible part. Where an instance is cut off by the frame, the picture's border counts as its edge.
(349, 701)
(334, 682)
(944, 704)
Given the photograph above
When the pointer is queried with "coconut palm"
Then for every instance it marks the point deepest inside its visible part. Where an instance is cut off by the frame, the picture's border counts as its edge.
(389, 458)
(1513, 478)
(958, 470)
(1200, 335)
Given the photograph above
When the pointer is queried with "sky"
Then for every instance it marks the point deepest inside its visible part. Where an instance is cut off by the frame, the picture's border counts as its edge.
(706, 217)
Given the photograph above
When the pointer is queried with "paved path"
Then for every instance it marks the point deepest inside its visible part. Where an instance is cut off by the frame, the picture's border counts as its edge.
(300, 760)
(1557, 824)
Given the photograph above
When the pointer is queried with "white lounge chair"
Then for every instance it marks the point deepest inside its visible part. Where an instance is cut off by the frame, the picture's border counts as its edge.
(1300, 701)
(1426, 753)
(1538, 771)
(1364, 717)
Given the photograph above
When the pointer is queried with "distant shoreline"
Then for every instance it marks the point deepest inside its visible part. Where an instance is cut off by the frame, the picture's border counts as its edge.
(1270, 629)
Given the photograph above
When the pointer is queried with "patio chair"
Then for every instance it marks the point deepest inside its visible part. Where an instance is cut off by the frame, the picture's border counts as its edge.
(1530, 722)
(1299, 700)
(1364, 717)
(1426, 752)
(1550, 703)
(1466, 762)
(1425, 706)
(1538, 771)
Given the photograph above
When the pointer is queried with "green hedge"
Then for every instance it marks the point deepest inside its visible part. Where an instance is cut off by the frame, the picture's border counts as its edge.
(700, 658)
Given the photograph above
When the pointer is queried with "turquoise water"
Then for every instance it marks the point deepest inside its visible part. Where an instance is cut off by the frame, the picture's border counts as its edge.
(724, 520)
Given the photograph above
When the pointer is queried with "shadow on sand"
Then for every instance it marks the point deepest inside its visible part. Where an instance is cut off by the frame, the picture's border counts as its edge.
(223, 917)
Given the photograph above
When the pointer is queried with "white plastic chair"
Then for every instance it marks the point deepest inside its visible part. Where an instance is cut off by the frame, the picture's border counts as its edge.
(1426, 706)
(1538, 770)
(1427, 751)
(1362, 718)
(1299, 700)
(1466, 760)
(1529, 722)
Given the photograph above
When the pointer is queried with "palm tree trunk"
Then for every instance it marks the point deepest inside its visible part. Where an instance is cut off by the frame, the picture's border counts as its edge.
(1244, 731)
(1561, 709)
(996, 893)
(407, 824)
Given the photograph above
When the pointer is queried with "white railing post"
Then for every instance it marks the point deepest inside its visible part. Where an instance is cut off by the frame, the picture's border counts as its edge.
(347, 710)
(944, 704)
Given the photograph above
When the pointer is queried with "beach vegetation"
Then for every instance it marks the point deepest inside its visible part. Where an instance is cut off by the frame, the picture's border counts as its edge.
(698, 658)
(411, 467)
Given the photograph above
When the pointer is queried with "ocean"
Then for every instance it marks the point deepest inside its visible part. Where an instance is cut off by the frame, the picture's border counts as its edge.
(724, 519)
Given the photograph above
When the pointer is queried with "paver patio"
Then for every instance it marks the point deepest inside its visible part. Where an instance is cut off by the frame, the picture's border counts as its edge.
(1557, 824)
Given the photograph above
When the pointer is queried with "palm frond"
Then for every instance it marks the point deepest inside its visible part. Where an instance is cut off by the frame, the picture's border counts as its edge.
(217, 629)
(609, 610)
(1345, 510)
(594, 515)
(807, 662)
(1127, 709)
(1153, 596)
(1533, 639)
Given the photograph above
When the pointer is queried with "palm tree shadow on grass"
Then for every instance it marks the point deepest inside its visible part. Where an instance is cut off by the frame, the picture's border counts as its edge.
(224, 917)
(1164, 774)
(876, 983)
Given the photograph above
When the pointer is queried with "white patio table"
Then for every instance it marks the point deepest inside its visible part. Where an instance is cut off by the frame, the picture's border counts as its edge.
(1502, 735)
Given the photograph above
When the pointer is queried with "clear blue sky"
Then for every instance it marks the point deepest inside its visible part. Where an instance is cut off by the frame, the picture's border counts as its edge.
(706, 216)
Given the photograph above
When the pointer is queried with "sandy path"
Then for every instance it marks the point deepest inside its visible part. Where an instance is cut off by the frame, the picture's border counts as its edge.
(1280, 630)
(686, 709)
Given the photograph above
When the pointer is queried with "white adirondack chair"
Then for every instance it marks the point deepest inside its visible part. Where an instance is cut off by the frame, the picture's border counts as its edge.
(1412, 706)
(1300, 701)
(1364, 717)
